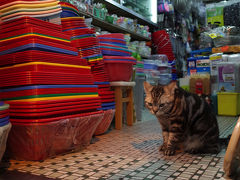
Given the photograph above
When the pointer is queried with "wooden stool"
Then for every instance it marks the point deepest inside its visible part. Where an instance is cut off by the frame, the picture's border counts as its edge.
(119, 87)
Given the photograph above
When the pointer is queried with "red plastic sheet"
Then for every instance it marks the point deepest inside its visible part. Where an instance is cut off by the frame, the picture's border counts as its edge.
(106, 122)
(41, 141)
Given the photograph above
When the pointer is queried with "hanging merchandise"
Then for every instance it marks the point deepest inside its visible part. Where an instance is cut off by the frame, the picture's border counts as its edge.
(182, 6)
(215, 14)
(165, 6)
(162, 43)
(231, 14)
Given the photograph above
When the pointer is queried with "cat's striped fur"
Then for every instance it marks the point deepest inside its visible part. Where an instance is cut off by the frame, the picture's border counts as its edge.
(185, 118)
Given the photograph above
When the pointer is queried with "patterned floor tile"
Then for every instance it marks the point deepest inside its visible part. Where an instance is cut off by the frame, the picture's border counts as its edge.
(131, 153)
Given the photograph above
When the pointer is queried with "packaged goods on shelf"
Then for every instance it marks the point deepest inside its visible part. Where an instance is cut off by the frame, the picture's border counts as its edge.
(228, 77)
(191, 63)
(200, 65)
(224, 36)
(157, 69)
(200, 84)
(214, 60)
(205, 40)
(140, 47)
(184, 83)
(234, 58)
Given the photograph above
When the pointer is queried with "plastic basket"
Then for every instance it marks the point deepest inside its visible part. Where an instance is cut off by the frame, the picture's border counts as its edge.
(119, 71)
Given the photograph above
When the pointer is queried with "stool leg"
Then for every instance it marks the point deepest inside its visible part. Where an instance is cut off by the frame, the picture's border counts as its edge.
(130, 107)
(118, 113)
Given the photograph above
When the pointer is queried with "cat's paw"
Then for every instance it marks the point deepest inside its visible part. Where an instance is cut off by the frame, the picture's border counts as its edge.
(162, 147)
(169, 152)
(193, 151)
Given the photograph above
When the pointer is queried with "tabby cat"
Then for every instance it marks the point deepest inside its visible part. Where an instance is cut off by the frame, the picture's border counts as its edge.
(185, 118)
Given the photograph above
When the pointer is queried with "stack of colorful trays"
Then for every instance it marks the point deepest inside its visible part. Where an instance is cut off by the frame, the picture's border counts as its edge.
(82, 37)
(139, 70)
(50, 39)
(47, 85)
(102, 80)
(68, 10)
(48, 103)
(85, 40)
(113, 45)
(43, 9)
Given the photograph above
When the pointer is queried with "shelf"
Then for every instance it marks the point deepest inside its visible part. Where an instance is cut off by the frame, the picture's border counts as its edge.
(114, 28)
(116, 8)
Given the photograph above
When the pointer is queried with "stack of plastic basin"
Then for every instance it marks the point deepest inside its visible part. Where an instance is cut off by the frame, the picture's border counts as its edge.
(113, 44)
(48, 10)
(49, 87)
(68, 10)
(84, 39)
(117, 57)
(119, 68)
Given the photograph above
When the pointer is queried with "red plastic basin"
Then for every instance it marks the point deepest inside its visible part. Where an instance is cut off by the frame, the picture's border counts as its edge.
(118, 71)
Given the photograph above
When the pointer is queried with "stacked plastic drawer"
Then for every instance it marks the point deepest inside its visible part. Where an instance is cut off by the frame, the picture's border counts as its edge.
(84, 39)
(50, 89)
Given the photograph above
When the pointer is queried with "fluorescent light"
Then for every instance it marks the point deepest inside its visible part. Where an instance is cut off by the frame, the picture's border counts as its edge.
(153, 10)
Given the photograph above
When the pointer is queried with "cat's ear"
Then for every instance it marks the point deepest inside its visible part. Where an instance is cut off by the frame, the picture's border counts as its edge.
(172, 87)
(147, 87)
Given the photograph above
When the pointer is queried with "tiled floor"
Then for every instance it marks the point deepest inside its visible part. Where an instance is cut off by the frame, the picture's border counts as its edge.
(130, 153)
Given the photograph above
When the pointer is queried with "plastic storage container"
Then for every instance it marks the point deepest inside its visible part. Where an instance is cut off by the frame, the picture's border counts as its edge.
(228, 104)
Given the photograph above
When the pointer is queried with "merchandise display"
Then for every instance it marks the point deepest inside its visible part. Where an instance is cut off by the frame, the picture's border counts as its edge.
(84, 39)
(158, 70)
(44, 10)
(70, 133)
(54, 90)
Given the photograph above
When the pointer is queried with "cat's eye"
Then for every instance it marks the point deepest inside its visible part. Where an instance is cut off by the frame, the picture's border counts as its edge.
(161, 105)
(150, 104)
